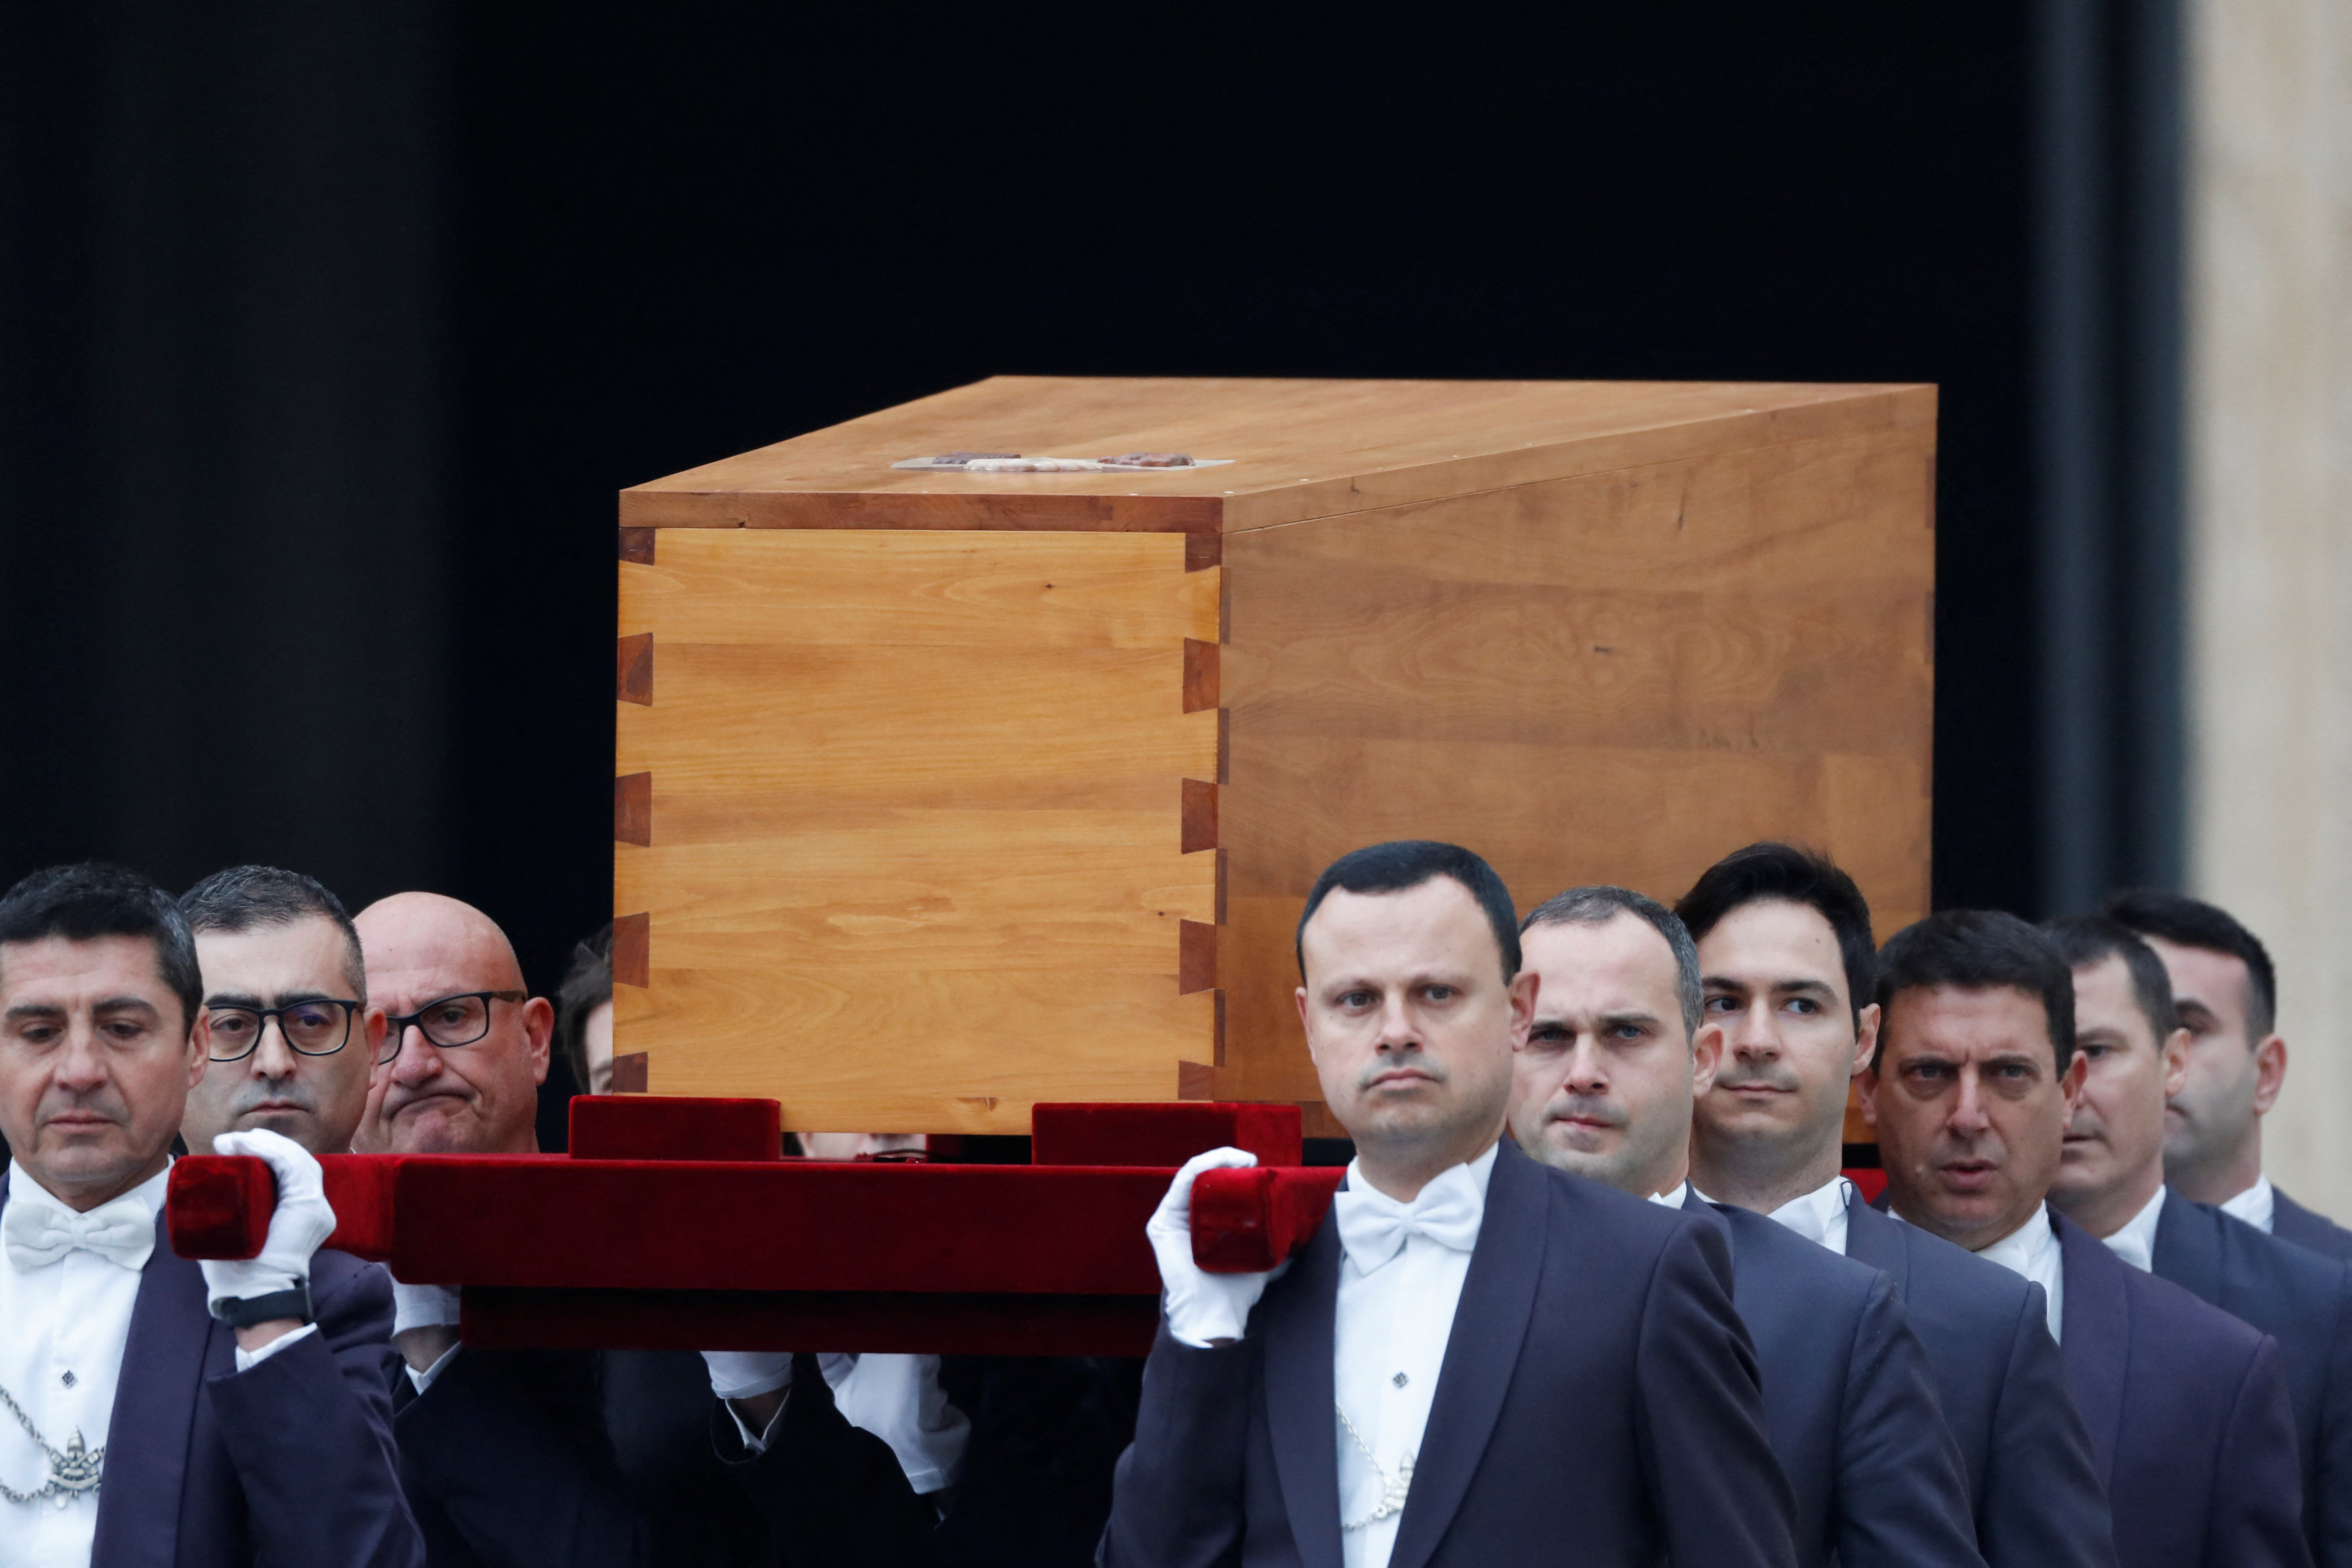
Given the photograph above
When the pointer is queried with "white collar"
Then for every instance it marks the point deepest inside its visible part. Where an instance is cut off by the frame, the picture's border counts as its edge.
(2257, 1206)
(24, 1187)
(1818, 1215)
(1482, 1171)
(2027, 1247)
(2135, 1241)
(1677, 1198)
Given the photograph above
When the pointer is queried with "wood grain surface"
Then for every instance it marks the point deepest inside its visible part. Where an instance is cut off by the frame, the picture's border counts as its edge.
(928, 752)
(1298, 449)
(917, 801)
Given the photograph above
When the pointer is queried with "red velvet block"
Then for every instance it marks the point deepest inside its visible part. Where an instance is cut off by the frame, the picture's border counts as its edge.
(933, 1323)
(1246, 1221)
(775, 1225)
(1164, 1134)
(218, 1206)
(675, 1127)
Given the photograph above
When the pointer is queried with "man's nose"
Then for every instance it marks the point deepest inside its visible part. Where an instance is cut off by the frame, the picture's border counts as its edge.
(81, 1066)
(1967, 1105)
(272, 1056)
(1755, 1034)
(1398, 1031)
(416, 1059)
(1587, 1073)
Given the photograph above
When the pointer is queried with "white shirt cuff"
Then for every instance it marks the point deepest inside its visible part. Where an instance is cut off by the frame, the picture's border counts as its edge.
(247, 1360)
(424, 1380)
(756, 1445)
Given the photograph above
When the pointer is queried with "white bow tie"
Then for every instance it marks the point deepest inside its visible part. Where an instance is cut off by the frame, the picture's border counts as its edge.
(1373, 1226)
(123, 1231)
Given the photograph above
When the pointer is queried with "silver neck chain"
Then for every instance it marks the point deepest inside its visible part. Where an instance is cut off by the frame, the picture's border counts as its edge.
(71, 1473)
(1393, 1488)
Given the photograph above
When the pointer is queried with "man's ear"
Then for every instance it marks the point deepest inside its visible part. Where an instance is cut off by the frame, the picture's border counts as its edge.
(1524, 986)
(2270, 1073)
(2070, 1082)
(1866, 1093)
(1706, 1056)
(200, 1046)
(1866, 1039)
(2175, 1052)
(1305, 1026)
(539, 1026)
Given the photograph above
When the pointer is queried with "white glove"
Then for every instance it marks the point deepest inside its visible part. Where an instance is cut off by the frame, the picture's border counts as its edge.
(739, 1374)
(303, 1219)
(1202, 1308)
(423, 1306)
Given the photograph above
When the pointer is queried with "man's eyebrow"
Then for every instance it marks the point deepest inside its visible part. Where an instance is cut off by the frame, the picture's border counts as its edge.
(35, 1010)
(1643, 1020)
(1721, 983)
(234, 999)
(125, 1005)
(1803, 987)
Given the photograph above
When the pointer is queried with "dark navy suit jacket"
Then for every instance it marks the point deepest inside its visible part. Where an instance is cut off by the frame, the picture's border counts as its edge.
(1597, 1404)
(2290, 1221)
(505, 1462)
(2189, 1416)
(2037, 1494)
(1850, 1404)
(2304, 1303)
(207, 1467)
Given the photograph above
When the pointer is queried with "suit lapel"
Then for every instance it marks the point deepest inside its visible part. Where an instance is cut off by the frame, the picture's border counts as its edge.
(1871, 1237)
(2094, 1339)
(2187, 1247)
(154, 1411)
(1499, 1299)
(1298, 1326)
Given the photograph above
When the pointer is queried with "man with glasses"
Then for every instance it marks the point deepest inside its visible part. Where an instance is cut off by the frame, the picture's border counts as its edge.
(504, 1454)
(293, 1038)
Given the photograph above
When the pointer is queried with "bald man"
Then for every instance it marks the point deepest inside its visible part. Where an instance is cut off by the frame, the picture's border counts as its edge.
(503, 1454)
(464, 1043)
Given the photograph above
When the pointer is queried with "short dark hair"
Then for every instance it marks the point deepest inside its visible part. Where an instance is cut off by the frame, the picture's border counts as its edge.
(247, 898)
(90, 901)
(1405, 863)
(1980, 950)
(2085, 942)
(587, 985)
(2193, 922)
(1771, 871)
(1598, 903)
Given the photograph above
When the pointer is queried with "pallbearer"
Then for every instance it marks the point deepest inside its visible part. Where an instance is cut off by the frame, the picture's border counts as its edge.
(1786, 971)
(1604, 1089)
(2111, 1183)
(1973, 1086)
(160, 1411)
(1477, 1360)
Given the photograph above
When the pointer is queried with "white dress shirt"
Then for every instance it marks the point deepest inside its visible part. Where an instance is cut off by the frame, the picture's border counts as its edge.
(2136, 1242)
(1820, 1215)
(2257, 1206)
(63, 1325)
(1390, 1328)
(2031, 1249)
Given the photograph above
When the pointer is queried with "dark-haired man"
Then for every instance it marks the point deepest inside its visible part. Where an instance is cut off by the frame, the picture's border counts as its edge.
(1976, 1080)
(1477, 1360)
(1786, 971)
(2112, 1185)
(2226, 992)
(163, 1411)
(1604, 1090)
(293, 1038)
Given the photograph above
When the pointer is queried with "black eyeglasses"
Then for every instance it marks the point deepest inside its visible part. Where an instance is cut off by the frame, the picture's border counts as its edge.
(319, 1028)
(459, 1020)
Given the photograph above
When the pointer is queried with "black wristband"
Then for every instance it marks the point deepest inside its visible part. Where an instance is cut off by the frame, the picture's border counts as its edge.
(244, 1311)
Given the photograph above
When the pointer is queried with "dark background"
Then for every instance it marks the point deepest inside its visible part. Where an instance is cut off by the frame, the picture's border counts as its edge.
(327, 334)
